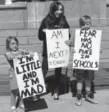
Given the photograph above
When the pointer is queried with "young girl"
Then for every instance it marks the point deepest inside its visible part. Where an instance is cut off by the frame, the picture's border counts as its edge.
(54, 20)
(13, 51)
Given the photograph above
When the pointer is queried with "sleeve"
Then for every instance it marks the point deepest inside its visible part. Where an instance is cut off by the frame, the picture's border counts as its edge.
(41, 34)
(8, 56)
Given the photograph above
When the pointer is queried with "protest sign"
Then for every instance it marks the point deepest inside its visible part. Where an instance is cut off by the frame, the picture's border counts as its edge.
(57, 50)
(29, 76)
(87, 49)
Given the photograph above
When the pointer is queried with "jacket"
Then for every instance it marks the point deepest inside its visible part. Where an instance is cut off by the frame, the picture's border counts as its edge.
(50, 22)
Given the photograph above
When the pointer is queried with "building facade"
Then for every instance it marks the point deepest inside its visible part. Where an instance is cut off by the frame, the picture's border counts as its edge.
(22, 19)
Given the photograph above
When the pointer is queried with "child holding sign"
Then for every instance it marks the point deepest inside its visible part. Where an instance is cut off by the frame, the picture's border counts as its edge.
(84, 75)
(54, 20)
(13, 51)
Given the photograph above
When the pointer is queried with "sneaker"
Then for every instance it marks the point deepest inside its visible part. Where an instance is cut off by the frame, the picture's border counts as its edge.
(13, 109)
(91, 100)
(56, 96)
(79, 100)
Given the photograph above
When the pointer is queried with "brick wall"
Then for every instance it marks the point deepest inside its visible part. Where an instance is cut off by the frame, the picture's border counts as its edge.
(23, 20)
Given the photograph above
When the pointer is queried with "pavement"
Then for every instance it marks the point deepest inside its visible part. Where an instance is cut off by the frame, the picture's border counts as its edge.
(65, 104)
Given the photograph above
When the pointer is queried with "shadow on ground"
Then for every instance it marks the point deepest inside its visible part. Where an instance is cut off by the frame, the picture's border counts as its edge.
(64, 84)
(31, 105)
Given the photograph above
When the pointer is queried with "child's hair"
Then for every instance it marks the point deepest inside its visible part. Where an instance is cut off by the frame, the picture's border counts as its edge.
(54, 7)
(83, 20)
(8, 40)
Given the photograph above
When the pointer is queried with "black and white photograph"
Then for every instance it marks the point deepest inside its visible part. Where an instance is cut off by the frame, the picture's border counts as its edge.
(54, 55)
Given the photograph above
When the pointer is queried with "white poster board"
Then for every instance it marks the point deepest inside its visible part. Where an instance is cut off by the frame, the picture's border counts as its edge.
(29, 76)
(87, 49)
(57, 50)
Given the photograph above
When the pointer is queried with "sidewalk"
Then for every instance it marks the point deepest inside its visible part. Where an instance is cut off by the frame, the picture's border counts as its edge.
(65, 104)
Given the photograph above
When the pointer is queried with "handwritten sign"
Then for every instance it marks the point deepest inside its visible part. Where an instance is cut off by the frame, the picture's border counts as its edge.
(29, 76)
(87, 49)
(57, 50)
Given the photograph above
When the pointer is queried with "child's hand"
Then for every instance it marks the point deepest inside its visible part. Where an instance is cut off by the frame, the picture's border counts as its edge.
(44, 30)
(69, 43)
(31, 54)
(10, 74)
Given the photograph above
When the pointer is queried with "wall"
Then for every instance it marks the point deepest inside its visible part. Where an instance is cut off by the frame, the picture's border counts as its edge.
(23, 20)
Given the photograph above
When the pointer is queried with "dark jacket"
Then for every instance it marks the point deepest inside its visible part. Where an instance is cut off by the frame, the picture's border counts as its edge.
(49, 22)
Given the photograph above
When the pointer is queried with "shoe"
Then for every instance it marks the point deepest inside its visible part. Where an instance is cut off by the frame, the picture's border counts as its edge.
(79, 100)
(13, 109)
(91, 100)
(22, 107)
(56, 96)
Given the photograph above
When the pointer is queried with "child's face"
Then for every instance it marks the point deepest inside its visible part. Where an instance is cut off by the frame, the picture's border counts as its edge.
(59, 12)
(13, 45)
(87, 24)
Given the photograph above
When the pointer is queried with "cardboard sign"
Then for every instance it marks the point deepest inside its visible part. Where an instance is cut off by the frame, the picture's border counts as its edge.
(87, 49)
(57, 50)
(29, 76)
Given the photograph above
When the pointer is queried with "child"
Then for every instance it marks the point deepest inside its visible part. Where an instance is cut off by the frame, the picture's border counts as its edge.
(85, 77)
(54, 20)
(13, 51)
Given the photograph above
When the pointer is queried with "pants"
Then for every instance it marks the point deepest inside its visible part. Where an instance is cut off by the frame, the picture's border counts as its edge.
(85, 77)
(57, 72)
